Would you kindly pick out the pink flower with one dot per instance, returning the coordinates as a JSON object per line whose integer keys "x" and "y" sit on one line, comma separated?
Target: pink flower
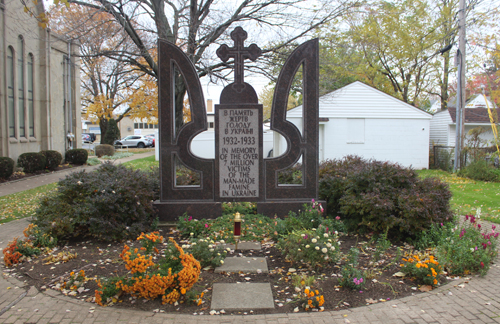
{"x": 466, "y": 217}
{"x": 206, "y": 225}
{"x": 493, "y": 227}
{"x": 482, "y": 264}
{"x": 442, "y": 224}
{"x": 312, "y": 201}
{"x": 190, "y": 218}
{"x": 337, "y": 218}
{"x": 479, "y": 226}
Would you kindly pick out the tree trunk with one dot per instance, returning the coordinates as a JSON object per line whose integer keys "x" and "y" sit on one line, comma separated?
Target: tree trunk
{"x": 103, "y": 124}
{"x": 444, "y": 84}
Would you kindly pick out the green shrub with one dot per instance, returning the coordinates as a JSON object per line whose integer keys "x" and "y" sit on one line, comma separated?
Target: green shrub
{"x": 206, "y": 251}
{"x": 76, "y": 156}
{"x": 382, "y": 197}
{"x": 352, "y": 277}
{"x": 424, "y": 269}
{"x": 31, "y": 162}
{"x": 53, "y": 159}
{"x": 467, "y": 249}
{"x": 112, "y": 203}
{"x": 480, "y": 170}
{"x": 112, "y": 133}
{"x": 190, "y": 227}
{"x": 6, "y": 167}
{"x": 310, "y": 248}
{"x": 93, "y": 161}
{"x": 104, "y": 149}
{"x": 291, "y": 175}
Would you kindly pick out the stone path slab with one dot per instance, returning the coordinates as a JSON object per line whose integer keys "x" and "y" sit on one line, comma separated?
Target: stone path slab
{"x": 245, "y": 296}
{"x": 244, "y": 264}
{"x": 245, "y": 246}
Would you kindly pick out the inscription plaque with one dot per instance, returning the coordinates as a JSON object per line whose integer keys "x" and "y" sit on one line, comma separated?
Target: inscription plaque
{"x": 239, "y": 152}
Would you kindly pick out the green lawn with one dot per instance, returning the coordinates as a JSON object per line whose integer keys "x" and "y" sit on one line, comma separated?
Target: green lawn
{"x": 22, "y": 204}
{"x": 470, "y": 195}
{"x": 143, "y": 164}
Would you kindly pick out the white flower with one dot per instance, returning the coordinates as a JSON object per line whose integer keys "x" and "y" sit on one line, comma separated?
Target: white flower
{"x": 472, "y": 249}
{"x": 113, "y": 191}
{"x": 317, "y": 247}
{"x": 210, "y": 246}
{"x": 194, "y": 243}
{"x": 325, "y": 235}
{"x": 324, "y": 250}
{"x": 211, "y": 250}
{"x": 329, "y": 245}
{"x": 222, "y": 241}
{"x": 332, "y": 248}
{"x": 307, "y": 246}
{"x": 191, "y": 234}
{"x": 336, "y": 233}
{"x": 314, "y": 240}
{"x": 329, "y": 240}
{"x": 138, "y": 203}
{"x": 299, "y": 250}
{"x": 303, "y": 235}
{"x": 221, "y": 261}
{"x": 79, "y": 182}
{"x": 103, "y": 191}
{"x": 228, "y": 249}
{"x": 314, "y": 229}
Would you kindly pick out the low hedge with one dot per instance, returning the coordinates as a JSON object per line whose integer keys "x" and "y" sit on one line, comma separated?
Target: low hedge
{"x": 6, "y": 167}
{"x": 76, "y": 156}
{"x": 53, "y": 159}
{"x": 31, "y": 162}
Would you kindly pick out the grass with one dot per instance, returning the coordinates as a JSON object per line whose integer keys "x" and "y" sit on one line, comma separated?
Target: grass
{"x": 469, "y": 195}
{"x": 143, "y": 164}
{"x": 22, "y": 204}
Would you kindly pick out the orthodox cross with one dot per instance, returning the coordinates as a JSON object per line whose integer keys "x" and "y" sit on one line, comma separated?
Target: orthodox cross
{"x": 240, "y": 53}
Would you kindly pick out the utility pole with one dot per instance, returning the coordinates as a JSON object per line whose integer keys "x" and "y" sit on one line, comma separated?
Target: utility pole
{"x": 460, "y": 60}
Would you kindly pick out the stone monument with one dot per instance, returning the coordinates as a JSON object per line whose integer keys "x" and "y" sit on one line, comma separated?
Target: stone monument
{"x": 239, "y": 171}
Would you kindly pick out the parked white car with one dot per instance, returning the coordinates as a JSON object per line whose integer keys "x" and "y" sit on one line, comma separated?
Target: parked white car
{"x": 139, "y": 141}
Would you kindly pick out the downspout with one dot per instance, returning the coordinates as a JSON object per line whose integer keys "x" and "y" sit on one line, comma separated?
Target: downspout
{"x": 69, "y": 95}
{"x": 49, "y": 93}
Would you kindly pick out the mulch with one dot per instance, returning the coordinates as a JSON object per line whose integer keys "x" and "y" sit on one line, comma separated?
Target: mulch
{"x": 99, "y": 260}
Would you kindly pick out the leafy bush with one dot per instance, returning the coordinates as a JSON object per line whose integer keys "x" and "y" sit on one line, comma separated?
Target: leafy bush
{"x": 467, "y": 249}
{"x": 104, "y": 149}
{"x": 53, "y": 159}
{"x": 291, "y": 175}
{"x": 480, "y": 170}
{"x": 6, "y": 167}
{"x": 310, "y": 248}
{"x": 207, "y": 252}
{"x": 31, "y": 162}
{"x": 373, "y": 196}
{"x": 186, "y": 176}
{"x": 190, "y": 227}
{"x": 111, "y": 203}
{"x": 426, "y": 271}
{"x": 76, "y": 156}
{"x": 308, "y": 218}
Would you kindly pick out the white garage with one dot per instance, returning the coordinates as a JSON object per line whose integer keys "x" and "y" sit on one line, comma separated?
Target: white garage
{"x": 360, "y": 120}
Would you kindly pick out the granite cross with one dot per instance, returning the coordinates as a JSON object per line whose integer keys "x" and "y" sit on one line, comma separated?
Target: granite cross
{"x": 240, "y": 53}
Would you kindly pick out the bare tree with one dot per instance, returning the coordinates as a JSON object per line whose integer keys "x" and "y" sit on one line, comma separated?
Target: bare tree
{"x": 197, "y": 25}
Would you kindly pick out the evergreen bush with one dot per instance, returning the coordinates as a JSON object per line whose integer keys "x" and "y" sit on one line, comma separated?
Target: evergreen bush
{"x": 76, "y": 156}
{"x": 31, "y": 162}
{"x": 104, "y": 149}
{"x": 53, "y": 159}
{"x": 6, "y": 167}
{"x": 112, "y": 133}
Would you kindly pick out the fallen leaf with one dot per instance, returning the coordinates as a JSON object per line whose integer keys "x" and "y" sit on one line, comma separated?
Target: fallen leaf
{"x": 425, "y": 288}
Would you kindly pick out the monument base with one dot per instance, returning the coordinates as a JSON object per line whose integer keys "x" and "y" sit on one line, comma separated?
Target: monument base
{"x": 281, "y": 208}
{"x": 170, "y": 211}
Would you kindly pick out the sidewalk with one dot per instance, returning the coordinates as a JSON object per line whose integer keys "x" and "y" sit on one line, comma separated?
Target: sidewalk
{"x": 8, "y": 188}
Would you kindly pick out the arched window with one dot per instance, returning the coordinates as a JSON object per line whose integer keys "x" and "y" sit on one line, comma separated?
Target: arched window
{"x": 31, "y": 119}
{"x": 20, "y": 83}
{"x": 11, "y": 112}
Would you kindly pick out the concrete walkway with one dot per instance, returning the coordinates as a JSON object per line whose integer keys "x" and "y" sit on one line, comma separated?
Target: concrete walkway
{"x": 8, "y": 188}
{"x": 477, "y": 302}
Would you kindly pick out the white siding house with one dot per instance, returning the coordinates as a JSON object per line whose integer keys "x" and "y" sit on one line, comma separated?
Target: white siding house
{"x": 361, "y": 120}
{"x": 443, "y": 125}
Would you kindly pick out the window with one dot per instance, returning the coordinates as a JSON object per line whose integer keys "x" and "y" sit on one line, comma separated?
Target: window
{"x": 150, "y": 126}
{"x": 20, "y": 84}
{"x": 156, "y": 125}
{"x": 355, "y": 131}
{"x": 211, "y": 125}
{"x": 136, "y": 125}
{"x": 10, "y": 92}
{"x": 31, "y": 119}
